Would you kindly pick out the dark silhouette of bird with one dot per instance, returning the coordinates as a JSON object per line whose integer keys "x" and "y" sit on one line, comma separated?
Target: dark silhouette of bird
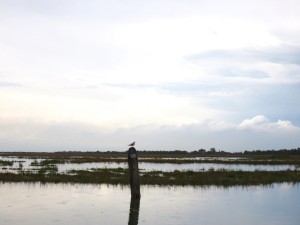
{"x": 132, "y": 144}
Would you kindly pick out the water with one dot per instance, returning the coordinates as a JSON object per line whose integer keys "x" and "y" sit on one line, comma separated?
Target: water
{"x": 23, "y": 203}
{"x": 209, "y": 166}
{"x": 145, "y": 166}
{"x": 24, "y": 162}
{"x": 167, "y": 167}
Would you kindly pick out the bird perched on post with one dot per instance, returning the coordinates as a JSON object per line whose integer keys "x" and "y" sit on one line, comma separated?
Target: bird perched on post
{"x": 132, "y": 144}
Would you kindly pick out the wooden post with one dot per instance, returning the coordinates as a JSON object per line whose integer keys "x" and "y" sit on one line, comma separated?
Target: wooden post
{"x": 134, "y": 212}
{"x": 134, "y": 173}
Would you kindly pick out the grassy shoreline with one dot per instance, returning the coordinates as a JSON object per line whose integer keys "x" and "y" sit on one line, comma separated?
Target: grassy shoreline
{"x": 121, "y": 176}
{"x": 164, "y": 157}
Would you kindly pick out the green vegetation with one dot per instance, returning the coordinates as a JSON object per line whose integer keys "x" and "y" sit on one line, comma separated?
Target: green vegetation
{"x": 47, "y": 162}
{"x": 6, "y": 163}
{"x": 281, "y": 157}
{"x": 48, "y": 169}
{"x": 121, "y": 176}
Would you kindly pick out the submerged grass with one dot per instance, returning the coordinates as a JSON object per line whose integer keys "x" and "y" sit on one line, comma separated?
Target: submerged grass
{"x": 156, "y": 157}
{"x": 121, "y": 176}
{"x": 6, "y": 163}
{"x": 47, "y": 162}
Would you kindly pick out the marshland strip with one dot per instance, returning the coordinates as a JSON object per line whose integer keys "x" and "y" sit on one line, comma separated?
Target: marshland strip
{"x": 44, "y": 167}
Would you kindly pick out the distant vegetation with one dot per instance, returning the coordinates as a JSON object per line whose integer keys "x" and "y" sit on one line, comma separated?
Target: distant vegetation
{"x": 213, "y": 151}
{"x": 200, "y": 152}
{"x": 274, "y": 152}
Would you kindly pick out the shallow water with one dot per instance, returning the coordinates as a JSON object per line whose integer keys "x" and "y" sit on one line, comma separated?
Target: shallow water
{"x": 23, "y": 162}
{"x": 23, "y": 203}
{"x": 165, "y": 167}
{"x": 211, "y": 166}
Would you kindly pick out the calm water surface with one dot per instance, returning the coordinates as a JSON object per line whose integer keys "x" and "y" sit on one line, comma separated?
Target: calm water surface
{"x": 23, "y": 203}
{"x": 165, "y": 167}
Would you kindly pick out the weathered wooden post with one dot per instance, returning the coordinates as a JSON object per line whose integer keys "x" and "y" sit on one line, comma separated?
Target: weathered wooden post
{"x": 134, "y": 211}
{"x": 134, "y": 173}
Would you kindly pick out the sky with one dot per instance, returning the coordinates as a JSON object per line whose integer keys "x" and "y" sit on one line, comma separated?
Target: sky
{"x": 96, "y": 75}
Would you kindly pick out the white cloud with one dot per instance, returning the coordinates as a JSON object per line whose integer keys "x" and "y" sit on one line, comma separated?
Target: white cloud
{"x": 261, "y": 123}
{"x": 285, "y": 124}
{"x": 257, "y": 121}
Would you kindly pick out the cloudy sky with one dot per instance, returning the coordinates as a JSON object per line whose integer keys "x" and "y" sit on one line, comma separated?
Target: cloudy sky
{"x": 168, "y": 74}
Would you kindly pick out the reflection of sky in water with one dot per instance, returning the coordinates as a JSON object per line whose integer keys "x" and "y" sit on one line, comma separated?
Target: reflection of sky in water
{"x": 202, "y": 158}
{"x": 17, "y": 161}
{"x": 171, "y": 167}
{"x": 106, "y": 204}
{"x": 207, "y": 166}
{"x": 144, "y": 166}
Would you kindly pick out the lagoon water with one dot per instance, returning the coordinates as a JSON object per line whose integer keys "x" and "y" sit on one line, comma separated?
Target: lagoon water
{"x": 167, "y": 167}
{"x": 146, "y": 166}
{"x": 35, "y": 203}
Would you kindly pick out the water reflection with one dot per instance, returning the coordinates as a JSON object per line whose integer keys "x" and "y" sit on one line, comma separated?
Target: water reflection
{"x": 79, "y": 204}
{"x": 144, "y": 166}
{"x": 134, "y": 212}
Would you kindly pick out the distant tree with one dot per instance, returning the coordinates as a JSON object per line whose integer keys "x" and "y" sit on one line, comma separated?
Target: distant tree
{"x": 202, "y": 150}
{"x": 212, "y": 150}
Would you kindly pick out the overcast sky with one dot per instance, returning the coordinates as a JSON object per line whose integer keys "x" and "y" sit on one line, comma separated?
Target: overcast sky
{"x": 168, "y": 74}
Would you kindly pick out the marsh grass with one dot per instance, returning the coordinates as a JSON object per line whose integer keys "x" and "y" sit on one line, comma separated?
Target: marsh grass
{"x": 175, "y": 157}
{"x": 47, "y": 162}
{"x": 6, "y": 163}
{"x": 121, "y": 176}
{"x": 48, "y": 169}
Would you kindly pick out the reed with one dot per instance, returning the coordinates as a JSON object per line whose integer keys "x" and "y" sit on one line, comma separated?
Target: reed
{"x": 6, "y": 163}
{"x": 175, "y": 157}
{"x": 121, "y": 176}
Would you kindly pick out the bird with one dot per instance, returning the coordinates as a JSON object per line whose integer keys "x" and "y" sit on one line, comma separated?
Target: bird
{"x": 132, "y": 144}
